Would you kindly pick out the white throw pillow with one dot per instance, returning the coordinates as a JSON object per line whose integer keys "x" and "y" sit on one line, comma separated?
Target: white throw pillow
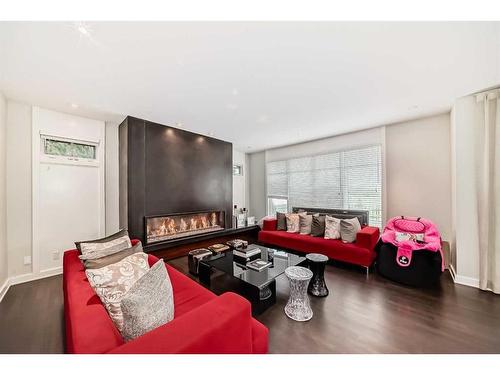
{"x": 112, "y": 282}
{"x": 332, "y": 228}
{"x": 292, "y": 223}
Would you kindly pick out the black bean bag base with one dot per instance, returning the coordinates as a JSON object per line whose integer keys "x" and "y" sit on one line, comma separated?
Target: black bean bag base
{"x": 423, "y": 271}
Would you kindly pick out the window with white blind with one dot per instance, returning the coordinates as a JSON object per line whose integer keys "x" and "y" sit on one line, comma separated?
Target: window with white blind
{"x": 349, "y": 179}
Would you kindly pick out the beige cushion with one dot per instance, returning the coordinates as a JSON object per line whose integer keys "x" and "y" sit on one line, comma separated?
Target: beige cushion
{"x": 305, "y": 222}
{"x": 332, "y": 227}
{"x": 148, "y": 304}
{"x": 106, "y": 260}
{"x": 112, "y": 282}
{"x": 292, "y": 223}
{"x": 94, "y": 249}
{"x": 349, "y": 228}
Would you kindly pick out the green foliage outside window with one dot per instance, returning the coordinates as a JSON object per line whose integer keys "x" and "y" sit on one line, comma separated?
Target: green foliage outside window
{"x": 70, "y": 149}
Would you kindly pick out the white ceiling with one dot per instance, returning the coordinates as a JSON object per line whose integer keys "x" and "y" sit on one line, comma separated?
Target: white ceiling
{"x": 258, "y": 85}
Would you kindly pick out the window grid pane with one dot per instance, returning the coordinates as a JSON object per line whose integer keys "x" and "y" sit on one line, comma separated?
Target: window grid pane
{"x": 69, "y": 149}
{"x": 350, "y": 179}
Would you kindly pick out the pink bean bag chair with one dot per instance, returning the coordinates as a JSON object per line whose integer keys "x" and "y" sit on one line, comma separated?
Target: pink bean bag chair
{"x": 410, "y": 252}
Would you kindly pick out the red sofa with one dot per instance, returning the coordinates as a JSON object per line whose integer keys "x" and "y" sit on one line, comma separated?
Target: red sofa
{"x": 361, "y": 252}
{"x": 203, "y": 322}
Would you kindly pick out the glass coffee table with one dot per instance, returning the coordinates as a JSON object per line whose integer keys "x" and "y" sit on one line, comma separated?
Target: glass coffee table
{"x": 259, "y": 287}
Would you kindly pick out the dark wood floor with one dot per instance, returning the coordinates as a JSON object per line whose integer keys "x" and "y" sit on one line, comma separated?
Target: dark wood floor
{"x": 32, "y": 317}
{"x": 361, "y": 315}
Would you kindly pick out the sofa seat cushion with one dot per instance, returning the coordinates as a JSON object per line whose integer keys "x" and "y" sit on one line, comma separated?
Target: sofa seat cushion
{"x": 187, "y": 293}
{"x": 333, "y": 249}
{"x": 89, "y": 329}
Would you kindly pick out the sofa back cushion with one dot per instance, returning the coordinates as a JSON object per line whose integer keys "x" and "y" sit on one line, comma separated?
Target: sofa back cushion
{"x": 305, "y": 223}
{"x": 112, "y": 282}
{"x": 318, "y": 225}
{"x": 349, "y": 228}
{"x": 281, "y": 221}
{"x": 93, "y": 262}
{"x": 148, "y": 304}
{"x": 105, "y": 246}
{"x": 332, "y": 227}
{"x": 292, "y": 223}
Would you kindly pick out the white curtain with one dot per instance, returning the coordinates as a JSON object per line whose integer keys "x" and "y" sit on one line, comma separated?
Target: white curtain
{"x": 488, "y": 190}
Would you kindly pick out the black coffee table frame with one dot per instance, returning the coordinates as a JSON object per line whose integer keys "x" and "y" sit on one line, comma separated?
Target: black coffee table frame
{"x": 258, "y": 287}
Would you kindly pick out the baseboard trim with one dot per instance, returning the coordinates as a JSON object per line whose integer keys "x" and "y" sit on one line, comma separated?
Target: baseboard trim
{"x": 468, "y": 281}
{"x": 4, "y": 289}
{"x": 31, "y": 276}
{"x": 452, "y": 272}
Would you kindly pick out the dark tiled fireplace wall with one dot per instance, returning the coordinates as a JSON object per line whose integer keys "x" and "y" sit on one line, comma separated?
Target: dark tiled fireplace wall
{"x": 165, "y": 170}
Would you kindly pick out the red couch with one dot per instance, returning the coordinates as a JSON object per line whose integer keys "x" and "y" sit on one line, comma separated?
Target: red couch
{"x": 203, "y": 322}
{"x": 361, "y": 252}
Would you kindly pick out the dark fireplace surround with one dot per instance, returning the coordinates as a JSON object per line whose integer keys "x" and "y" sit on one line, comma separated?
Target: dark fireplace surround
{"x": 172, "y": 183}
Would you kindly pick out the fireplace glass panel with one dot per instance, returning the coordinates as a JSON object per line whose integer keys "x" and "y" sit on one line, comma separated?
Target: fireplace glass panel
{"x": 168, "y": 227}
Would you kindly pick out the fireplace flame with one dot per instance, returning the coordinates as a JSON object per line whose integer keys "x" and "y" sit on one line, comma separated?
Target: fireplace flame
{"x": 163, "y": 228}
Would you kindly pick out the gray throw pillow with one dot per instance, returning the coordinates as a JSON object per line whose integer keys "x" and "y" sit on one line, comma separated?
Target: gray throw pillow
{"x": 112, "y": 258}
{"x": 148, "y": 304}
{"x": 117, "y": 240}
{"x": 305, "y": 222}
{"x": 349, "y": 228}
{"x": 318, "y": 226}
{"x": 281, "y": 218}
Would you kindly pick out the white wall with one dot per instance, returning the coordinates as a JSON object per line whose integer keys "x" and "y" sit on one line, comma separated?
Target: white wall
{"x": 240, "y": 182}
{"x": 257, "y": 184}
{"x": 325, "y": 145}
{"x": 464, "y": 203}
{"x": 112, "y": 179}
{"x": 418, "y": 170}
{"x": 18, "y": 187}
{"x": 3, "y": 204}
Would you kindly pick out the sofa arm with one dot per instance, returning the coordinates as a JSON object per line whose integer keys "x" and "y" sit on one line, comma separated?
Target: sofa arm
{"x": 221, "y": 326}
{"x": 270, "y": 224}
{"x": 367, "y": 237}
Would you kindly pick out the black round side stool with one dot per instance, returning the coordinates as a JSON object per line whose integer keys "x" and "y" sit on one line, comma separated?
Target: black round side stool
{"x": 317, "y": 286}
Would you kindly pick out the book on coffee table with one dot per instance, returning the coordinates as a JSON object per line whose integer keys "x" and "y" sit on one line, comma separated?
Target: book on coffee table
{"x": 237, "y": 243}
{"x": 258, "y": 264}
{"x": 218, "y": 247}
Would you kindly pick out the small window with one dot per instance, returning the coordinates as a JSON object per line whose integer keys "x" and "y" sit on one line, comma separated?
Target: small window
{"x": 277, "y": 205}
{"x": 237, "y": 170}
{"x": 56, "y": 147}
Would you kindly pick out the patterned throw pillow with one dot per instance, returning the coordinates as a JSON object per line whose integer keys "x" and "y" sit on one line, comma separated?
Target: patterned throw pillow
{"x": 332, "y": 227}
{"x": 305, "y": 222}
{"x": 349, "y": 228}
{"x": 94, "y": 249}
{"x": 292, "y": 223}
{"x": 148, "y": 304}
{"x": 112, "y": 282}
{"x": 105, "y": 260}
{"x": 281, "y": 221}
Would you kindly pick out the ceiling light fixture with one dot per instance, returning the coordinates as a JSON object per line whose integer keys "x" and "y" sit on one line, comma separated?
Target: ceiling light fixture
{"x": 83, "y": 29}
{"x": 73, "y": 105}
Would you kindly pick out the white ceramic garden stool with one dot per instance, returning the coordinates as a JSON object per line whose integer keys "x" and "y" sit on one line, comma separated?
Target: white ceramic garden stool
{"x": 298, "y": 307}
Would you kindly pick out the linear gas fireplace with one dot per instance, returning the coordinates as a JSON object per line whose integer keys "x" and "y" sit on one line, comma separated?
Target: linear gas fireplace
{"x": 174, "y": 226}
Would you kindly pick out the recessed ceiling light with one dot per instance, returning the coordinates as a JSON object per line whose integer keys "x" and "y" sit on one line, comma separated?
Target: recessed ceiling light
{"x": 178, "y": 124}
{"x": 210, "y": 133}
{"x": 83, "y": 29}
{"x": 73, "y": 105}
